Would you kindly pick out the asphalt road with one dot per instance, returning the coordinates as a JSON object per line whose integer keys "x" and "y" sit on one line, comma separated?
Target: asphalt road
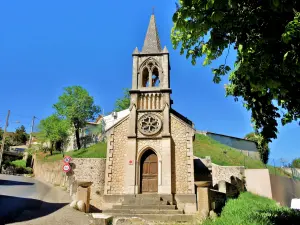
{"x": 29, "y": 201}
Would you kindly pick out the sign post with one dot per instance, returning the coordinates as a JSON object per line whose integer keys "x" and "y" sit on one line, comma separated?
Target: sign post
{"x": 67, "y": 166}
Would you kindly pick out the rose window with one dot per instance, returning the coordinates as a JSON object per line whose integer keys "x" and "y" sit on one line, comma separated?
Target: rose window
{"x": 149, "y": 124}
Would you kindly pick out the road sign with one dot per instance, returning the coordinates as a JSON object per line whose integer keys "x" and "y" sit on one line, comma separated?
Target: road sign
{"x": 66, "y": 168}
{"x": 67, "y": 159}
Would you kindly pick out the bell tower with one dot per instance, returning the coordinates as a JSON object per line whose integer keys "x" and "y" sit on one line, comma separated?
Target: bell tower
{"x": 149, "y": 119}
{"x": 151, "y": 79}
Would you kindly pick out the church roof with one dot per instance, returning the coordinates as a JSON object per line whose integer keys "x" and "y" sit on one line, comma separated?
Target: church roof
{"x": 152, "y": 42}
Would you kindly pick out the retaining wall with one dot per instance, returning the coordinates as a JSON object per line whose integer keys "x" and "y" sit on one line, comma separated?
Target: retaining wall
{"x": 84, "y": 169}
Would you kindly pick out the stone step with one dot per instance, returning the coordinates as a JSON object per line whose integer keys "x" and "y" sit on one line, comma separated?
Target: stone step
{"x": 142, "y": 211}
{"x": 158, "y": 217}
{"x": 159, "y": 206}
{"x": 142, "y": 201}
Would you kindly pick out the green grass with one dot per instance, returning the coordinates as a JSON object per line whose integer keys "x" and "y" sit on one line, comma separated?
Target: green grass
{"x": 19, "y": 163}
{"x": 96, "y": 151}
{"x": 250, "y": 209}
{"x": 206, "y": 146}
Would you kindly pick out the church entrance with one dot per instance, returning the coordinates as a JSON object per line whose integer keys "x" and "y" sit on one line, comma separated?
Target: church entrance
{"x": 149, "y": 172}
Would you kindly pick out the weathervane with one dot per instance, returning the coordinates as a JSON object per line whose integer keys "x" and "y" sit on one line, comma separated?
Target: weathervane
{"x": 152, "y": 10}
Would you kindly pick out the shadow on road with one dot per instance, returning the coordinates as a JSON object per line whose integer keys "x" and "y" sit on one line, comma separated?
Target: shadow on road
{"x": 12, "y": 207}
{"x": 11, "y": 182}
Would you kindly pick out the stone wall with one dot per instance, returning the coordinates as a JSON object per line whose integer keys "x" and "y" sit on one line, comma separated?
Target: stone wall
{"x": 284, "y": 189}
{"x": 85, "y": 169}
{"x": 258, "y": 182}
{"x": 116, "y": 150}
{"x": 182, "y": 157}
{"x": 224, "y": 173}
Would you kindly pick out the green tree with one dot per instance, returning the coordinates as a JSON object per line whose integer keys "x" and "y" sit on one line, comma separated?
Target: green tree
{"x": 53, "y": 129}
{"x": 262, "y": 145}
{"x": 296, "y": 163}
{"x": 124, "y": 102}
{"x": 266, "y": 36}
{"x": 77, "y": 106}
{"x": 20, "y": 136}
{"x": 1, "y": 133}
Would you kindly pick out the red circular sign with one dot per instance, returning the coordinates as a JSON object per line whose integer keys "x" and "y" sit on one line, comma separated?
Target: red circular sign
{"x": 67, "y": 159}
{"x": 66, "y": 167}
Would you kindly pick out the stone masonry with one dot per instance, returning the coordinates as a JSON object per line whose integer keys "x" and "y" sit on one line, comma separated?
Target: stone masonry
{"x": 86, "y": 169}
{"x": 115, "y": 160}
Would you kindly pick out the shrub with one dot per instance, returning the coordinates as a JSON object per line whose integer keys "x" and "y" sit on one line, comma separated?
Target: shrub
{"x": 251, "y": 209}
{"x": 296, "y": 163}
{"x": 19, "y": 163}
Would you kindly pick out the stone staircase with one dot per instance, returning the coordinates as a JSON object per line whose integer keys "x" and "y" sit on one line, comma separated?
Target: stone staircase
{"x": 151, "y": 207}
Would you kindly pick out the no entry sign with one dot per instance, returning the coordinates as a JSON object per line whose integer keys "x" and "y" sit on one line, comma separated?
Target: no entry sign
{"x": 67, "y": 159}
{"x": 66, "y": 168}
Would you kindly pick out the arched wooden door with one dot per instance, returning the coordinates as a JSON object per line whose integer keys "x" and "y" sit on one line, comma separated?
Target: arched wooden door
{"x": 148, "y": 173}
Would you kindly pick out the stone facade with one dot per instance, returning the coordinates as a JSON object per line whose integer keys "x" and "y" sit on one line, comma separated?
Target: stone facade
{"x": 182, "y": 149}
{"x": 85, "y": 169}
{"x": 153, "y": 129}
{"x": 225, "y": 173}
{"x": 116, "y": 150}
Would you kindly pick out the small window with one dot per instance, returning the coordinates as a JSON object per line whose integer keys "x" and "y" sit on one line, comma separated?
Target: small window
{"x": 155, "y": 78}
{"x": 145, "y": 79}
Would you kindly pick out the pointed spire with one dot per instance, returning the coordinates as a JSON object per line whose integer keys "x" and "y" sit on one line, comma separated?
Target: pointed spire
{"x": 136, "y": 51}
{"x": 152, "y": 42}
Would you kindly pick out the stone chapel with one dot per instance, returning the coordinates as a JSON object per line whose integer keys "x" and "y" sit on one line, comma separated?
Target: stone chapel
{"x": 150, "y": 151}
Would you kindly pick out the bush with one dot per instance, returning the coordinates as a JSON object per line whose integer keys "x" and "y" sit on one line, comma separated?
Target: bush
{"x": 296, "y": 163}
{"x": 19, "y": 163}
{"x": 251, "y": 209}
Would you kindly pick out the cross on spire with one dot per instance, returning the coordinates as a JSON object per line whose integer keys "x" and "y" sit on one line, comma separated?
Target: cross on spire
{"x": 152, "y": 10}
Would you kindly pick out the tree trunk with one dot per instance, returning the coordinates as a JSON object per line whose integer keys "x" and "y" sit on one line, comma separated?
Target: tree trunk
{"x": 77, "y": 138}
{"x": 51, "y": 149}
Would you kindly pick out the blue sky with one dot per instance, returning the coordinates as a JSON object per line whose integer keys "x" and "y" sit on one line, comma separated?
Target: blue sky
{"x": 48, "y": 45}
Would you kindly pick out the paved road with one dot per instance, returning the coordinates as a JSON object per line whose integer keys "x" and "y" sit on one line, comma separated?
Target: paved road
{"x": 29, "y": 201}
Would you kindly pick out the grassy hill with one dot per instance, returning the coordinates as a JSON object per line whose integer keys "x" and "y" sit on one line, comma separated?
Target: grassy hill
{"x": 203, "y": 146}
{"x": 96, "y": 151}
{"x": 206, "y": 146}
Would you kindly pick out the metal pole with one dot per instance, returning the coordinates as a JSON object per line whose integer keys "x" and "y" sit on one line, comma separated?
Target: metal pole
{"x": 3, "y": 138}
{"x": 30, "y": 138}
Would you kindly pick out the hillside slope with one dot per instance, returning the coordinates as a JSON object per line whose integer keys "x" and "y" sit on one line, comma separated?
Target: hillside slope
{"x": 224, "y": 155}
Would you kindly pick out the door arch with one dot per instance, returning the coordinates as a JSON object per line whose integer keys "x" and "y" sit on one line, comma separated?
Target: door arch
{"x": 149, "y": 172}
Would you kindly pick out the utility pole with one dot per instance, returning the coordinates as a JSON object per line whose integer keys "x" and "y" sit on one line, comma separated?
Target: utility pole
{"x": 3, "y": 137}
{"x": 32, "y": 126}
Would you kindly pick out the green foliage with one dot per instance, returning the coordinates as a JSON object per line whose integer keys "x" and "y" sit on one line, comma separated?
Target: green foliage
{"x": 262, "y": 145}
{"x": 296, "y": 163}
{"x": 20, "y": 166}
{"x": 266, "y": 36}
{"x": 19, "y": 163}
{"x": 224, "y": 155}
{"x": 95, "y": 151}
{"x": 20, "y": 136}
{"x": 250, "y": 209}
{"x": 77, "y": 106}
{"x": 124, "y": 102}
{"x": 1, "y": 133}
{"x": 53, "y": 129}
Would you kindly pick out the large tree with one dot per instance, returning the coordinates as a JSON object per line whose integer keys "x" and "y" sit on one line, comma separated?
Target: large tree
{"x": 124, "y": 102}
{"x": 266, "y": 36}
{"x": 20, "y": 136}
{"x": 77, "y": 106}
{"x": 53, "y": 129}
{"x": 262, "y": 146}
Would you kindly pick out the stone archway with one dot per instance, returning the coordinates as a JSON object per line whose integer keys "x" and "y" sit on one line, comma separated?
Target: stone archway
{"x": 149, "y": 172}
